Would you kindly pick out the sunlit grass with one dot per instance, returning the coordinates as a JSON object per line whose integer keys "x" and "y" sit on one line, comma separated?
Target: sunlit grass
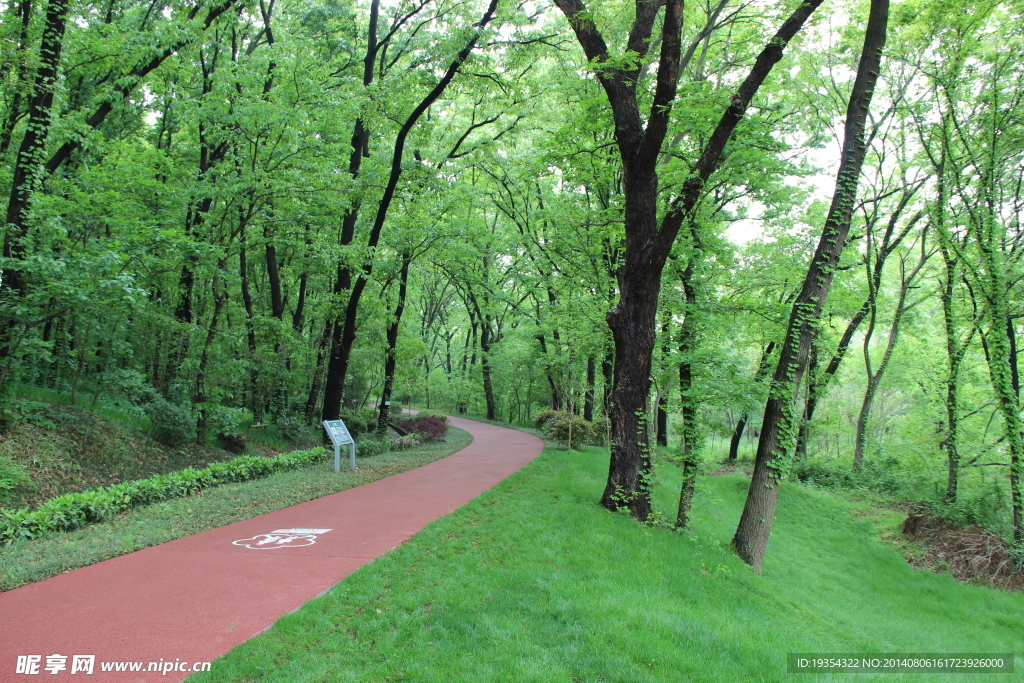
{"x": 532, "y": 581}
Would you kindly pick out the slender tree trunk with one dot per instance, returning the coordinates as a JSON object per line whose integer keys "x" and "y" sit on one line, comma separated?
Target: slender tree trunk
{"x": 692, "y": 444}
{"x": 340, "y": 354}
{"x": 955, "y": 355}
{"x": 777, "y": 431}
{"x": 19, "y": 66}
{"x": 588, "y": 395}
{"x": 737, "y": 435}
{"x": 201, "y": 397}
{"x": 875, "y": 378}
{"x": 608, "y": 373}
{"x": 384, "y": 408}
{"x": 485, "y": 368}
{"x": 255, "y": 404}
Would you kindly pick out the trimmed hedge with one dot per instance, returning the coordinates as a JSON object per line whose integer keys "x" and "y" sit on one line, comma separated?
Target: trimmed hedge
{"x": 75, "y": 510}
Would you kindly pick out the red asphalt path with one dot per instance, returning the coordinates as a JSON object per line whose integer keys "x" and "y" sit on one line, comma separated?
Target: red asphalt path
{"x": 193, "y": 599}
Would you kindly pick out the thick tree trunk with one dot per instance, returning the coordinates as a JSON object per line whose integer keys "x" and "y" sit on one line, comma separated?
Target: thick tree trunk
{"x": 646, "y": 244}
{"x": 33, "y": 145}
{"x": 777, "y": 431}
{"x": 274, "y": 279}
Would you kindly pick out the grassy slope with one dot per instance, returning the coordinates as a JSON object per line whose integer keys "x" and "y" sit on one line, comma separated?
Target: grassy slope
{"x": 534, "y": 582}
{"x": 40, "y": 558}
{"x": 84, "y": 449}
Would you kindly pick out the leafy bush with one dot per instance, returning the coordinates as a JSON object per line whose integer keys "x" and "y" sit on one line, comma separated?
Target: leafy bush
{"x": 293, "y": 431}
{"x": 74, "y": 510}
{"x": 12, "y": 476}
{"x": 429, "y": 427}
{"x": 881, "y": 475}
{"x": 369, "y": 447}
{"x": 173, "y": 424}
{"x": 544, "y": 417}
{"x": 439, "y": 416}
{"x": 557, "y": 423}
{"x": 404, "y": 444}
{"x": 984, "y": 507}
{"x": 363, "y": 421}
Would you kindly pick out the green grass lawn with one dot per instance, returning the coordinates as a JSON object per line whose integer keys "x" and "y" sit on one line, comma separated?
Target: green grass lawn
{"x": 33, "y": 560}
{"x": 532, "y": 581}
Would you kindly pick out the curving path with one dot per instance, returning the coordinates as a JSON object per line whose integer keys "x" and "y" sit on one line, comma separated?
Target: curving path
{"x": 193, "y": 599}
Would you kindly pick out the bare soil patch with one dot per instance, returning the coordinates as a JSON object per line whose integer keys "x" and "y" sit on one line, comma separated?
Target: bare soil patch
{"x": 971, "y": 554}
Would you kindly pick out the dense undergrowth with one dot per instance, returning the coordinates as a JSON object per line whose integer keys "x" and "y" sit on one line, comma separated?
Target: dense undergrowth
{"x": 532, "y": 581}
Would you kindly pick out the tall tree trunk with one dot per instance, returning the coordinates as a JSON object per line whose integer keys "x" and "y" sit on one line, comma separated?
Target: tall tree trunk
{"x": 27, "y": 167}
{"x": 1001, "y": 356}
{"x": 777, "y": 430}
{"x": 647, "y": 243}
{"x": 338, "y": 366}
{"x": 692, "y": 444}
{"x": 384, "y": 408}
{"x": 955, "y": 355}
{"x": 22, "y": 12}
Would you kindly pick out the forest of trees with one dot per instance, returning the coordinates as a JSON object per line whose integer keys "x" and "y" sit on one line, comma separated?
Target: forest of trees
{"x": 787, "y": 231}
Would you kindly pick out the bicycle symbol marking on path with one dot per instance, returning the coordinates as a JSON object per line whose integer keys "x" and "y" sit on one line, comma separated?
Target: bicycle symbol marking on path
{"x": 282, "y": 538}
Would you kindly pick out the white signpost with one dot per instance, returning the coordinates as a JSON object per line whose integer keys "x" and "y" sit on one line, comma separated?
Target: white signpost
{"x": 338, "y": 432}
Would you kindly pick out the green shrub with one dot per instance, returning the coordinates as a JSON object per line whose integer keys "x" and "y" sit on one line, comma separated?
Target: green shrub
{"x": 882, "y": 474}
{"x": 173, "y": 424}
{"x": 366, "y": 448}
{"x": 984, "y": 507}
{"x": 12, "y": 476}
{"x": 363, "y": 421}
{"x": 438, "y": 416}
{"x": 557, "y": 425}
{"x": 293, "y": 431}
{"x": 544, "y": 417}
{"x": 74, "y": 510}
{"x": 226, "y": 423}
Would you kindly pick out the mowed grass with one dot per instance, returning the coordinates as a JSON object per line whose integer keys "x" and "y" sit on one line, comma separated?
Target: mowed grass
{"x": 532, "y": 581}
{"x": 33, "y": 560}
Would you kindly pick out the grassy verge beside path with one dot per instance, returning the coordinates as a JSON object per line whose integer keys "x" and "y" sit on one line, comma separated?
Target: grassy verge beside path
{"x": 533, "y": 582}
{"x": 27, "y": 561}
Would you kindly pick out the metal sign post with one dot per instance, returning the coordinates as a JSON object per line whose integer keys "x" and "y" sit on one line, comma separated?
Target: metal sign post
{"x": 338, "y": 432}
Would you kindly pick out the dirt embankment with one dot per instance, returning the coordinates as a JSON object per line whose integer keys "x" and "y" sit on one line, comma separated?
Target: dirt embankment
{"x": 970, "y": 554}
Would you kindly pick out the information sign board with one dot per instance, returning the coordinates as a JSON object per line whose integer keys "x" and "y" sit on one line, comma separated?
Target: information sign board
{"x": 339, "y": 435}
